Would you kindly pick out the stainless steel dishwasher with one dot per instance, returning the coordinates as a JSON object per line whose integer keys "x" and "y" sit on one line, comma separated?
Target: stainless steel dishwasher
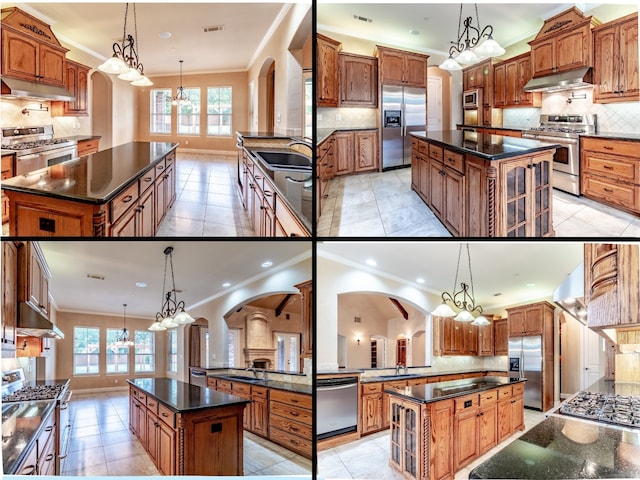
{"x": 198, "y": 377}
{"x": 337, "y": 406}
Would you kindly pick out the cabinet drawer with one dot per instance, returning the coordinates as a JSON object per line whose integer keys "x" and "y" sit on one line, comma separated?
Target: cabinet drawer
{"x": 423, "y": 147}
{"x": 611, "y": 166}
{"x": 613, "y": 147}
{"x": 435, "y": 152}
{"x": 269, "y": 194}
{"x": 152, "y": 404}
{"x": 621, "y": 194}
{"x": 292, "y": 442}
{"x": 223, "y": 385}
{"x": 371, "y": 388}
{"x": 169, "y": 159}
{"x": 415, "y": 143}
{"x": 146, "y": 180}
{"x": 466, "y": 402}
{"x": 87, "y": 147}
{"x": 166, "y": 415}
{"x": 260, "y": 392}
{"x": 290, "y": 426}
{"x": 142, "y": 397}
{"x": 298, "y": 414}
{"x": 397, "y": 384}
{"x": 160, "y": 168}
{"x": 297, "y": 399}
{"x": 211, "y": 382}
{"x": 122, "y": 202}
{"x": 518, "y": 389}
{"x": 46, "y": 456}
{"x": 48, "y": 432}
{"x": 488, "y": 397}
{"x": 241, "y": 389}
{"x": 416, "y": 381}
{"x": 454, "y": 160}
{"x": 504, "y": 392}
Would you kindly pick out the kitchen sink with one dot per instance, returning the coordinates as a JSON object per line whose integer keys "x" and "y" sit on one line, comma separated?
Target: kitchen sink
{"x": 284, "y": 159}
{"x": 244, "y": 379}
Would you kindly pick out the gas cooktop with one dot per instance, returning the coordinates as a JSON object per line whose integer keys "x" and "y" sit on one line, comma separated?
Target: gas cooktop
{"x": 614, "y": 409}
{"x": 38, "y": 392}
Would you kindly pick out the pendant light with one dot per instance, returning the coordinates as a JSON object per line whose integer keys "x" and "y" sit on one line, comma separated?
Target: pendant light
{"x": 172, "y": 312}
{"x": 463, "y": 299}
{"x": 125, "y": 61}
{"x": 180, "y": 97}
{"x": 124, "y": 339}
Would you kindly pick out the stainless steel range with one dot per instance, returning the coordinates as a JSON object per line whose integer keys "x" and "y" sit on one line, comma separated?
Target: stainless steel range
{"x": 564, "y": 130}
{"x": 602, "y": 407}
{"x": 15, "y": 389}
{"x": 36, "y": 148}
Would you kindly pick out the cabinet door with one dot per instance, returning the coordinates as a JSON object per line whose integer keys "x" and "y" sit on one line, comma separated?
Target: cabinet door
{"x": 541, "y": 197}
{"x": 523, "y": 77}
{"x": 151, "y": 425}
{"x": 423, "y": 186}
{"x": 391, "y": 65}
{"x": 628, "y": 65}
{"x": 485, "y": 340}
{"x": 499, "y": 85}
{"x": 371, "y": 412}
{"x": 442, "y": 438}
{"x": 501, "y": 337}
{"x": 416, "y": 71}
{"x": 454, "y": 194}
{"x": 126, "y": 225}
{"x": 19, "y": 56}
{"x": 51, "y": 66}
{"x": 436, "y": 187}
{"x": 488, "y": 428}
{"x": 516, "y": 198}
{"x": 146, "y": 215}
{"x": 512, "y": 82}
{"x": 533, "y": 320}
{"x": 166, "y": 449}
{"x": 516, "y": 412}
{"x": 366, "y": 151}
{"x": 161, "y": 200}
{"x": 327, "y": 76}
{"x": 516, "y": 323}
{"x": 9, "y": 295}
{"x": 543, "y": 58}
{"x": 260, "y": 417}
{"x": 606, "y": 63}
{"x": 38, "y": 283}
{"x": 396, "y": 453}
{"x": 504, "y": 419}
{"x": 358, "y": 80}
{"x": 469, "y": 338}
{"x": 343, "y": 148}
{"x": 465, "y": 437}
{"x": 412, "y": 441}
{"x": 573, "y": 49}
{"x": 82, "y": 88}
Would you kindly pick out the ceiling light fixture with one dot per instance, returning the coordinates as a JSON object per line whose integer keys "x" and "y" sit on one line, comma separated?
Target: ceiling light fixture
{"x": 124, "y": 339}
{"x": 469, "y": 48}
{"x": 172, "y": 311}
{"x": 266, "y": 264}
{"x": 181, "y": 97}
{"x": 125, "y": 61}
{"x": 463, "y": 299}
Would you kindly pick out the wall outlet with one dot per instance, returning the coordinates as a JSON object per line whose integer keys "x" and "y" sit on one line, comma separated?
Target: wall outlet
{"x": 115, "y": 380}
{"x": 278, "y": 118}
{"x": 186, "y": 142}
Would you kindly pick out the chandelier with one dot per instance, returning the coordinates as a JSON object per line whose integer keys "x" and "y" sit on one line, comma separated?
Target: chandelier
{"x": 125, "y": 61}
{"x": 463, "y": 299}
{"x": 124, "y": 339}
{"x": 180, "y": 97}
{"x": 469, "y": 48}
{"x": 172, "y": 311}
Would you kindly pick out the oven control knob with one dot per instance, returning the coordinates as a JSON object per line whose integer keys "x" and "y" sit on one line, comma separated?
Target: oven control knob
{"x": 16, "y": 132}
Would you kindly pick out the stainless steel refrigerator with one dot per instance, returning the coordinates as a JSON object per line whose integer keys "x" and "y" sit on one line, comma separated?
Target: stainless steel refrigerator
{"x": 525, "y": 360}
{"x": 404, "y": 110}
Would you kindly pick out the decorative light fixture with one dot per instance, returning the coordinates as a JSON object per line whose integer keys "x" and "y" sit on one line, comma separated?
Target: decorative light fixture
{"x": 181, "y": 97}
{"x": 125, "y": 61}
{"x": 462, "y": 299}
{"x": 124, "y": 339}
{"x": 469, "y": 47}
{"x": 172, "y": 311}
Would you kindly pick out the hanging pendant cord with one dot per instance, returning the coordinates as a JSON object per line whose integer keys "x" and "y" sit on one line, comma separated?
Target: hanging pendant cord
{"x": 124, "y": 30}
{"x": 459, "y": 23}
{"x": 477, "y": 17}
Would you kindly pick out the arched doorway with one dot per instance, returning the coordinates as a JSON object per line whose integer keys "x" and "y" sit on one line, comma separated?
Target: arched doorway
{"x": 102, "y": 108}
{"x": 266, "y": 96}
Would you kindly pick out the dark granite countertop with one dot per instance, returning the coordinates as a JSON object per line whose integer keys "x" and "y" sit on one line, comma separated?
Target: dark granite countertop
{"x": 95, "y": 178}
{"x": 433, "y": 392}
{"x": 563, "y": 447}
{"x": 22, "y": 423}
{"x": 614, "y": 136}
{"x": 323, "y": 133}
{"x": 183, "y": 397}
{"x": 511, "y": 129}
{"x": 81, "y": 138}
{"x": 277, "y": 384}
{"x": 486, "y": 146}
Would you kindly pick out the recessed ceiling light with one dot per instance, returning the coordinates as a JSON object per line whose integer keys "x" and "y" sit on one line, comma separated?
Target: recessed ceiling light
{"x": 420, "y": 280}
{"x": 164, "y": 34}
{"x": 497, "y": 294}
{"x": 266, "y": 264}
{"x": 226, "y": 284}
{"x": 414, "y": 32}
{"x": 141, "y": 285}
{"x": 371, "y": 262}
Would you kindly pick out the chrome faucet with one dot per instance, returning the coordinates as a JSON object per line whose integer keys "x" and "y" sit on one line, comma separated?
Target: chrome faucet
{"x": 398, "y": 366}
{"x": 301, "y": 142}
{"x": 254, "y": 370}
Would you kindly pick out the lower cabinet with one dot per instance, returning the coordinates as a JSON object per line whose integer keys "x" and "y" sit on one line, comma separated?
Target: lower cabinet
{"x": 41, "y": 458}
{"x": 355, "y": 151}
{"x": 510, "y": 410}
{"x": 372, "y": 408}
{"x": 161, "y": 443}
{"x": 410, "y": 433}
{"x": 291, "y": 420}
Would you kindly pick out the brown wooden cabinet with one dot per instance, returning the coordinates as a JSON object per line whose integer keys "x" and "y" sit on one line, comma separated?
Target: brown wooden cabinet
{"x": 372, "y": 408}
{"x": 77, "y": 82}
{"x": 452, "y": 337}
{"x": 9, "y": 296}
{"x": 510, "y": 410}
{"x": 530, "y": 319}
{"x": 510, "y": 77}
{"x": 343, "y": 148}
{"x": 327, "y": 66}
{"x": 563, "y": 43}
{"x": 355, "y": 151}
{"x": 8, "y": 161}
{"x": 615, "y": 70}
{"x": 485, "y": 340}
{"x": 138, "y": 221}
{"x": 611, "y": 275}
{"x": 358, "y": 80}
{"x": 290, "y": 420}
{"x": 399, "y": 67}
{"x": 409, "y": 434}
{"x": 325, "y": 171}
{"x": 306, "y": 290}
{"x": 465, "y": 430}
{"x": 33, "y": 277}
{"x": 88, "y": 147}
{"x": 611, "y": 172}
{"x": 259, "y": 409}
{"x": 501, "y": 337}
{"x": 481, "y": 76}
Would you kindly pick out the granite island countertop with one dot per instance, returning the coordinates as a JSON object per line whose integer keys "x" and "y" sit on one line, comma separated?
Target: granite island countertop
{"x": 485, "y": 146}
{"x": 183, "y": 397}
{"x": 304, "y": 388}
{"x": 95, "y": 178}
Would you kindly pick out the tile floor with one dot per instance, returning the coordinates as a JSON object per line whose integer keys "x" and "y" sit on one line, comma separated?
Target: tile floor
{"x": 383, "y": 205}
{"x": 102, "y": 445}
{"x": 368, "y": 458}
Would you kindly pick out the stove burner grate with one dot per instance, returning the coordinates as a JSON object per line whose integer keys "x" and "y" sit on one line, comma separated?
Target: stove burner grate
{"x": 614, "y": 409}
{"x": 39, "y": 392}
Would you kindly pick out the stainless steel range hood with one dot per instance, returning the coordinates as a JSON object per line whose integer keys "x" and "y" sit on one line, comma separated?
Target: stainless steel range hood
{"x": 573, "y": 79}
{"x": 33, "y": 324}
{"x": 14, "y": 88}
{"x": 570, "y": 294}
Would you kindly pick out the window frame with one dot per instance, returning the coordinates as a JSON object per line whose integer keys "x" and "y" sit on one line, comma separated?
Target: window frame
{"x": 172, "y": 356}
{"x": 140, "y": 344}
{"x": 153, "y": 114}
{"x": 97, "y": 354}
{"x": 220, "y": 115}
{"x": 196, "y": 116}
{"x": 121, "y": 349}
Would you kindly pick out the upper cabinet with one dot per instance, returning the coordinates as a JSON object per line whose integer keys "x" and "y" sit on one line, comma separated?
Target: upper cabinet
{"x": 564, "y": 43}
{"x": 509, "y": 80}
{"x": 9, "y": 296}
{"x": 358, "y": 80}
{"x": 327, "y": 67}
{"x": 532, "y": 319}
{"x": 30, "y": 50}
{"x": 34, "y": 275}
{"x": 612, "y": 283}
{"x": 398, "y": 67}
{"x": 76, "y": 81}
{"x": 616, "y": 75}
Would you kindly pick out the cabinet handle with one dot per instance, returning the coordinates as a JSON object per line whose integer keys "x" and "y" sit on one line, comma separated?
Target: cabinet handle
{"x": 608, "y": 190}
{"x": 607, "y": 147}
{"x": 607, "y": 167}
{"x": 258, "y": 177}
{"x": 127, "y": 199}
{"x": 49, "y": 428}
{"x": 268, "y": 193}
{"x": 164, "y": 415}
{"x": 49, "y": 457}
{"x": 160, "y": 167}
{"x": 31, "y": 469}
{"x": 294, "y": 414}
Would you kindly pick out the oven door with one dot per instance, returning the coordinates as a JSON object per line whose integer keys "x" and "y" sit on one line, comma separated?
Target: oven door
{"x": 567, "y": 157}
{"x": 28, "y": 163}
{"x": 59, "y": 155}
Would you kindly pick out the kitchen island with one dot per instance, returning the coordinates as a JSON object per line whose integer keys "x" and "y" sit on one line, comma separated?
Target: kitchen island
{"x": 122, "y": 191}
{"x": 483, "y": 185}
{"x": 186, "y": 429}
{"x": 438, "y": 428}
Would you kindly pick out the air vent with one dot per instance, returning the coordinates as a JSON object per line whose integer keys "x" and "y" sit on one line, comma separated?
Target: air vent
{"x": 95, "y": 276}
{"x": 363, "y": 19}
{"x": 357, "y": 320}
{"x": 214, "y": 28}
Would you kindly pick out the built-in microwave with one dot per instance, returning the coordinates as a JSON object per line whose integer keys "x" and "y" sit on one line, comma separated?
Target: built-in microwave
{"x": 472, "y": 99}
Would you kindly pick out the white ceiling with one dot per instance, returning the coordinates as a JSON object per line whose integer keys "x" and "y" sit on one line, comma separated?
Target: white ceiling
{"x": 94, "y": 27}
{"x": 436, "y": 24}
{"x": 200, "y": 269}
{"x": 519, "y": 272}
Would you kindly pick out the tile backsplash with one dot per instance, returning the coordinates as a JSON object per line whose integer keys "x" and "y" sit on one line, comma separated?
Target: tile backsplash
{"x": 347, "y": 117}
{"x": 12, "y": 116}
{"x": 612, "y": 117}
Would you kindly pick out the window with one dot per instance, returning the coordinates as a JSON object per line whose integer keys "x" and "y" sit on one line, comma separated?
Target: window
{"x": 287, "y": 351}
{"x": 145, "y": 351}
{"x": 86, "y": 350}
{"x": 117, "y": 355}
{"x": 189, "y": 113}
{"x": 233, "y": 345}
{"x": 172, "y": 361}
{"x": 219, "y": 111}
{"x": 160, "y": 108}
